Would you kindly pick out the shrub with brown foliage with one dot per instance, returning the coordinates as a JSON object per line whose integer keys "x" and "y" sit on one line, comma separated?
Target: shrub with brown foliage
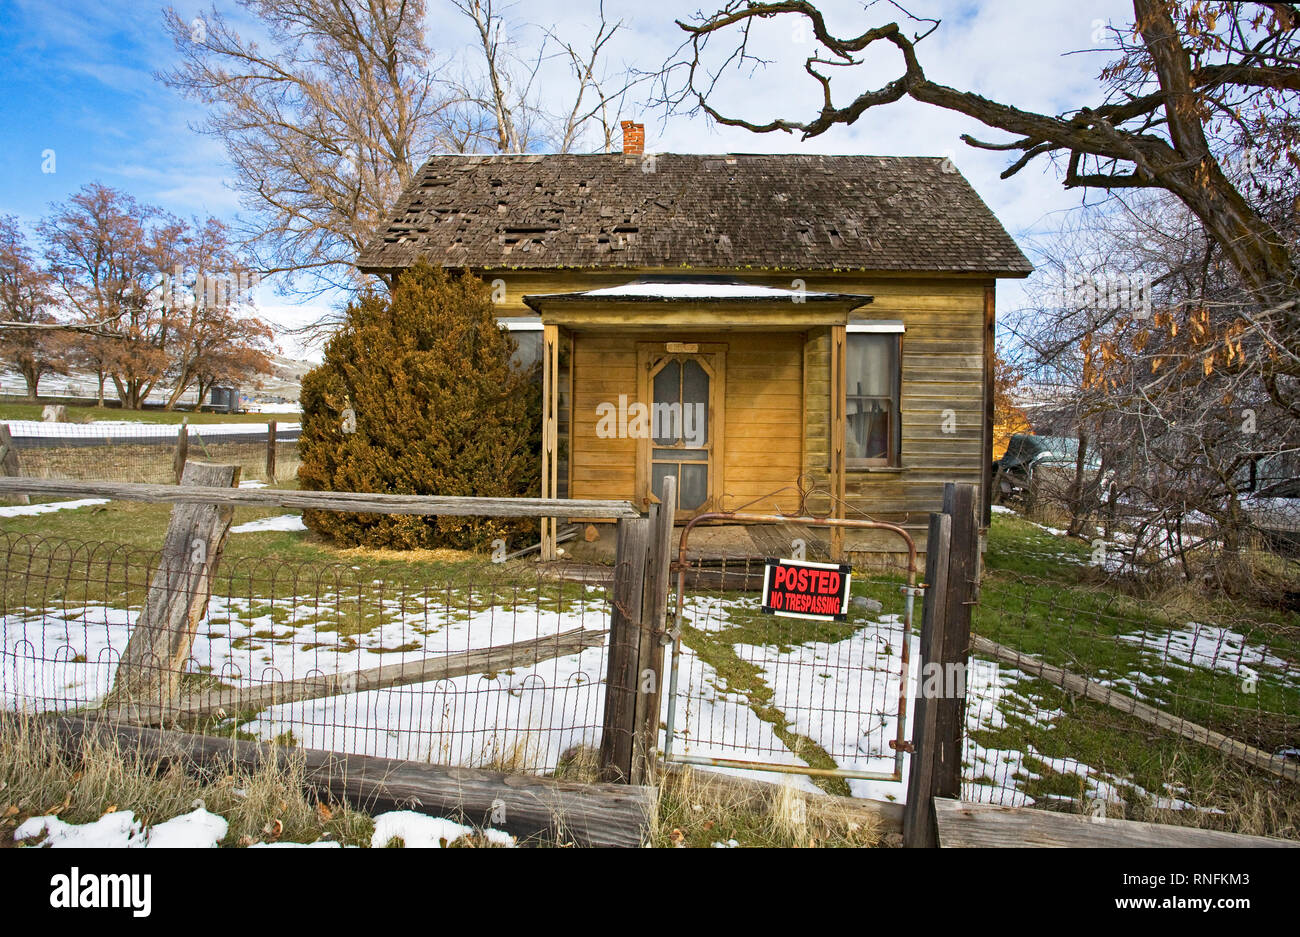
{"x": 438, "y": 408}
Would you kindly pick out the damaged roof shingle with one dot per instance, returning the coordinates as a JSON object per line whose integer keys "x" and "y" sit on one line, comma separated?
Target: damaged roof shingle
{"x": 780, "y": 212}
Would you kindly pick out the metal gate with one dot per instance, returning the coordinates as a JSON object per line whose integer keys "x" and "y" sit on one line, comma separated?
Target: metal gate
{"x": 754, "y": 691}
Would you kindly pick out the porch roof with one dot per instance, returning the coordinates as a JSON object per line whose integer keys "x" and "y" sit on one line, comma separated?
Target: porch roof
{"x": 724, "y": 301}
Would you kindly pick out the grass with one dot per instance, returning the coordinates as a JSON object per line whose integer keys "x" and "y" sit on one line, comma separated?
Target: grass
{"x": 38, "y": 777}
{"x": 89, "y": 413}
{"x": 698, "y": 810}
{"x": 1039, "y": 596}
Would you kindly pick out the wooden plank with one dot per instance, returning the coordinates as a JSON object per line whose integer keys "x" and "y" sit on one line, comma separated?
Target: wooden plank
{"x": 182, "y": 453}
{"x": 918, "y": 819}
{"x": 990, "y": 350}
{"x": 406, "y": 673}
{"x": 525, "y": 805}
{"x": 619, "y": 728}
{"x": 959, "y": 503}
{"x": 550, "y": 432}
{"x": 270, "y": 452}
{"x": 839, "y": 434}
{"x": 965, "y": 825}
{"x": 163, "y": 632}
{"x": 9, "y": 465}
{"x": 358, "y": 502}
{"x": 1099, "y": 693}
{"x": 651, "y": 652}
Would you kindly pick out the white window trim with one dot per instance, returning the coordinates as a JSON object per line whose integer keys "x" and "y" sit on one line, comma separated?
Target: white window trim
{"x": 878, "y": 327}
{"x": 520, "y": 325}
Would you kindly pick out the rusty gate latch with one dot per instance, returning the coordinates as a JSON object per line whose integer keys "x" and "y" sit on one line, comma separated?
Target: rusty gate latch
{"x": 902, "y": 746}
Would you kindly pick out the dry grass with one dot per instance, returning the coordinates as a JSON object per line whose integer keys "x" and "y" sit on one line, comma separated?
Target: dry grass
{"x": 700, "y": 809}
{"x": 38, "y": 777}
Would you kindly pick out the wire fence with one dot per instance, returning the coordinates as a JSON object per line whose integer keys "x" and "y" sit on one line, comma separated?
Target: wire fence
{"x": 1035, "y": 739}
{"x": 1252, "y": 537}
{"x": 105, "y": 450}
{"x": 487, "y": 666}
{"x": 811, "y": 696}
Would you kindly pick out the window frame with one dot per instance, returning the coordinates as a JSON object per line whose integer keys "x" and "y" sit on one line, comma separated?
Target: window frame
{"x": 897, "y": 330}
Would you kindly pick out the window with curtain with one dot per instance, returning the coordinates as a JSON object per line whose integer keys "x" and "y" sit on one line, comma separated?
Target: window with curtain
{"x": 873, "y": 435}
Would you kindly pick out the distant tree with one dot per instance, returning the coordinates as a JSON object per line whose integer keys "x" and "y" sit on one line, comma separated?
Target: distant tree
{"x": 106, "y": 252}
{"x": 215, "y": 337}
{"x": 417, "y": 395}
{"x": 1009, "y": 417}
{"x": 26, "y": 297}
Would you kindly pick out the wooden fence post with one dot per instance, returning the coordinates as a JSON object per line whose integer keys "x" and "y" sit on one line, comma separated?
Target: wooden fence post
{"x": 270, "y": 453}
{"x": 182, "y": 450}
{"x": 627, "y": 596}
{"x": 918, "y": 814}
{"x": 151, "y": 665}
{"x": 960, "y": 502}
{"x": 9, "y": 461}
{"x": 654, "y": 615}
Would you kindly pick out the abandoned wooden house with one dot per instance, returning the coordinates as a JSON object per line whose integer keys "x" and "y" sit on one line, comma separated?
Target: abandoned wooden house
{"x": 743, "y": 323}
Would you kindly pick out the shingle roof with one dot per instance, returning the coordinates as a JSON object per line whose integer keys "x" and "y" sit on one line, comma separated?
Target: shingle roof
{"x": 783, "y": 212}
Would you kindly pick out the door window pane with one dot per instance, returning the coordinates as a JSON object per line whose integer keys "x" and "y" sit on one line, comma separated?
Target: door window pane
{"x": 666, "y": 410}
{"x": 695, "y": 403}
{"x": 693, "y": 485}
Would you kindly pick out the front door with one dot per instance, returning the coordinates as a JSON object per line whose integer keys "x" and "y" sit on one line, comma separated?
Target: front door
{"x": 683, "y": 395}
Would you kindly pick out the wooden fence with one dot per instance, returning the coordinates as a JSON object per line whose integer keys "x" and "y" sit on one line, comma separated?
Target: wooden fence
{"x": 147, "y": 690}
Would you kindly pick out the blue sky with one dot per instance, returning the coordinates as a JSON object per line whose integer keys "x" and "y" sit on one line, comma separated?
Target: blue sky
{"x": 77, "y": 79}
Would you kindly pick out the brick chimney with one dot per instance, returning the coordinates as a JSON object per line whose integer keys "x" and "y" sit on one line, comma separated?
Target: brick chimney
{"x": 633, "y": 137}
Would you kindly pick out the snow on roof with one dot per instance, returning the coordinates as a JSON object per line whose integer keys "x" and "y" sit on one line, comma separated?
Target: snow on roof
{"x": 655, "y": 290}
{"x": 699, "y": 290}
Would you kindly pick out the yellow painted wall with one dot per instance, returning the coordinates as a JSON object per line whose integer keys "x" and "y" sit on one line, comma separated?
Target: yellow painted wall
{"x": 772, "y": 377}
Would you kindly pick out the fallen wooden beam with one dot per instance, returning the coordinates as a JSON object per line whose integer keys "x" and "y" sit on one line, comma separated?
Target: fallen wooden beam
{"x": 524, "y": 805}
{"x": 277, "y": 693}
{"x": 965, "y": 825}
{"x": 1099, "y": 693}
{"x": 353, "y": 501}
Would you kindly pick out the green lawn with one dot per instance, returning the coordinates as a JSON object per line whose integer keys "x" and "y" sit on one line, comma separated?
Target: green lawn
{"x": 78, "y": 413}
{"x": 1039, "y": 596}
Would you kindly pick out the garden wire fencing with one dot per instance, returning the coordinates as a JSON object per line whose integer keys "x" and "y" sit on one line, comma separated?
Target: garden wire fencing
{"x": 107, "y": 450}
{"x": 1083, "y": 700}
{"x": 470, "y": 663}
{"x": 822, "y": 699}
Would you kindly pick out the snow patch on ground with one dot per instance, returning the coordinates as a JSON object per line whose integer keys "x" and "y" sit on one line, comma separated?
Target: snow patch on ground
{"x": 418, "y": 831}
{"x": 121, "y": 830}
{"x": 200, "y": 829}
{"x": 128, "y": 429}
{"x": 290, "y": 522}
{"x": 32, "y": 510}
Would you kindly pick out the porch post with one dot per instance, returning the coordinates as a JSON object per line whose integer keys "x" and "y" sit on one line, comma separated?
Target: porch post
{"x": 839, "y": 401}
{"x": 550, "y": 430}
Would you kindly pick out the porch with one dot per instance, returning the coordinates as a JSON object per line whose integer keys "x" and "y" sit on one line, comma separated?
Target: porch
{"x": 706, "y": 382}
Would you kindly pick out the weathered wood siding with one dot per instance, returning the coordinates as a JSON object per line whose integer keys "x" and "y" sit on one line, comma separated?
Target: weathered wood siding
{"x": 771, "y": 377}
{"x": 943, "y": 369}
{"x": 763, "y": 409}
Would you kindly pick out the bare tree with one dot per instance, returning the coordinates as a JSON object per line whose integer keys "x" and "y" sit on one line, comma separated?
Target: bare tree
{"x": 330, "y": 119}
{"x": 102, "y": 253}
{"x": 324, "y": 126}
{"x": 216, "y": 337}
{"x": 30, "y": 340}
{"x": 1146, "y": 354}
{"x": 1190, "y": 80}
